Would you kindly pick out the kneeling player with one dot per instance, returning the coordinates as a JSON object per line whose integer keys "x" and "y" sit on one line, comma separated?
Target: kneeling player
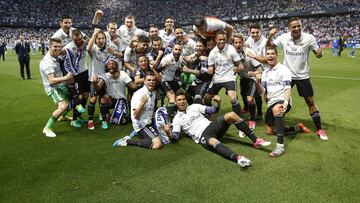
{"x": 276, "y": 83}
{"x": 114, "y": 81}
{"x": 191, "y": 119}
{"x": 142, "y": 113}
{"x": 198, "y": 63}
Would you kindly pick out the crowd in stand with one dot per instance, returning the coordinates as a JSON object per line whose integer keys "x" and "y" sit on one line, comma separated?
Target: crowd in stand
{"x": 41, "y": 13}
{"x": 325, "y": 29}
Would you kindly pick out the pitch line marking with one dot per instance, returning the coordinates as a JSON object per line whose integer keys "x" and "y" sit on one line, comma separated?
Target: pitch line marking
{"x": 333, "y": 77}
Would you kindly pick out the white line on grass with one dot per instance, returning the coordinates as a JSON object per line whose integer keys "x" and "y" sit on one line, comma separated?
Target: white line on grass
{"x": 332, "y": 77}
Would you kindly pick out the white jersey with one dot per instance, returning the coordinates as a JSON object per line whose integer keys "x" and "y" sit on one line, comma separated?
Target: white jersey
{"x": 74, "y": 49}
{"x": 50, "y": 65}
{"x": 98, "y": 58}
{"x": 192, "y": 121}
{"x": 127, "y": 35}
{"x": 296, "y": 53}
{"x": 223, "y": 62}
{"x": 111, "y": 44}
{"x": 250, "y": 64}
{"x": 258, "y": 47}
{"x": 275, "y": 81}
{"x": 189, "y": 47}
{"x": 169, "y": 71}
{"x": 130, "y": 56}
{"x": 165, "y": 37}
{"x": 147, "y": 111}
{"x": 65, "y": 38}
{"x": 115, "y": 45}
{"x": 212, "y": 24}
{"x": 115, "y": 88}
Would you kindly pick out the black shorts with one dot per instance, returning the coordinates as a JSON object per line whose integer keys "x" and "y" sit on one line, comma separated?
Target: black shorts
{"x": 248, "y": 87}
{"x": 269, "y": 116}
{"x": 170, "y": 85}
{"x": 216, "y": 129}
{"x": 215, "y": 88}
{"x": 148, "y": 132}
{"x": 303, "y": 87}
{"x": 198, "y": 89}
{"x": 94, "y": 93}
{"x": 113, "y": 102}
{"x": 82, "y": 82}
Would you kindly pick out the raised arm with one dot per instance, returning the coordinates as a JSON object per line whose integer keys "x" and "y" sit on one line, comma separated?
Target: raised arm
{"x": 139, "y": 109}
{"x": 92, "y": 40}
{"x": 97, "y": 17}
{"x": 229, "y": 31}
{"x": 272, "y": 33}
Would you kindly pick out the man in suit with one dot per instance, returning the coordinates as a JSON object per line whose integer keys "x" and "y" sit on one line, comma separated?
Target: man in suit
{"x": 22, "y": 49}
{"x": 2, "y": 50}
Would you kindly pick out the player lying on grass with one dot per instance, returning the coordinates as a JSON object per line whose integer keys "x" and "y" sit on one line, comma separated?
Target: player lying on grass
{"x": 276, "y": 85}
{"x": 54, "y": 83}
{"x": 192, "y": 121}
{"x": 114, "y": 81}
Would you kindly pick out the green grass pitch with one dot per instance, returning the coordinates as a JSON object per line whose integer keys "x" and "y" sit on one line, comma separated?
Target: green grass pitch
{"x": 81, "y": 166}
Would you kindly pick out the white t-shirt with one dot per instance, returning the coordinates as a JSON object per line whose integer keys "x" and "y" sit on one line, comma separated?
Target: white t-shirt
{"x": 223, "y": 61}
{"x": 276, "y": 80}
{"x": 49, "y": 65}
{"x": 65, "y": 38}
{"x": 148, "y": 109}
{"x": 296, "y": 53}
{"x": 212, "y": 24}
{"x": 74, "y": 49}
{"x": 126, "y": 35}
{"x": 258, "y": 47}
{"x": 192, "y": 121}
{"x": 189, "y": 47}
{"x": 165, "y": 37}
{"x": 98, "y": 60}
{"x": 130, "y": 56}
{"x": 115, "y": 45}
{"x": 169, "y": 71}
{"x": 115, "y": 88}
{"x": 111, "y": 44}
